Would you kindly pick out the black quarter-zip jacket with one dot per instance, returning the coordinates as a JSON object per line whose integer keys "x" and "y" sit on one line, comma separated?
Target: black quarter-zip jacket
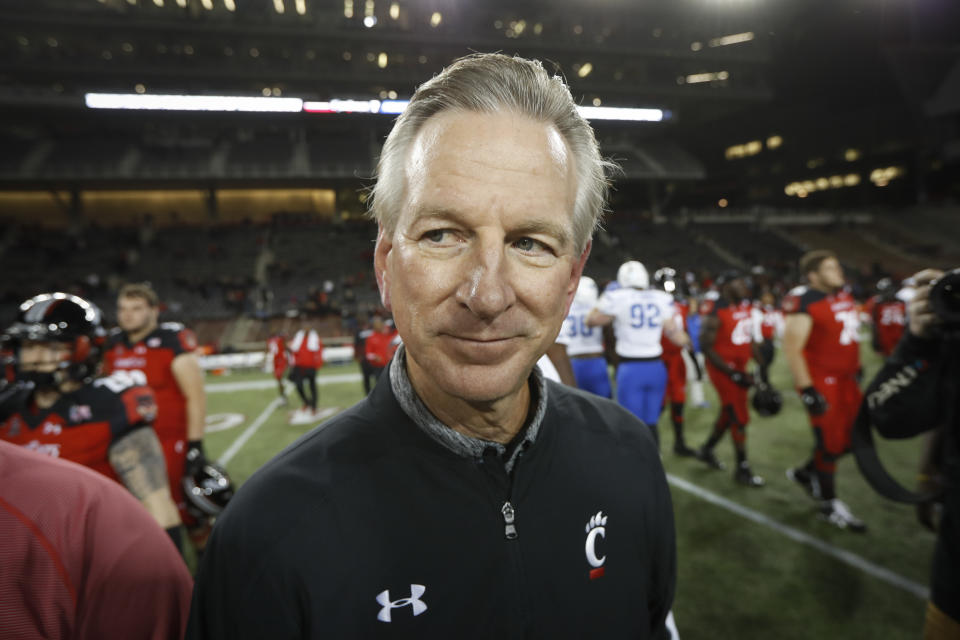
{"x": 369, "y": 528}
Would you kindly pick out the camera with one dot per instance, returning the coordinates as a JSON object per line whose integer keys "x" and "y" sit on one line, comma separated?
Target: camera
{"x": 945, "y": 298}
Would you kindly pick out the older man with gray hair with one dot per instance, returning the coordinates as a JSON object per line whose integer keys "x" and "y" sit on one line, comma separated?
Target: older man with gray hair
{"x": 466, "y": 496}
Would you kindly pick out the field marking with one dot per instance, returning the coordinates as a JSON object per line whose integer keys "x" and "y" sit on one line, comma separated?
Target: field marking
{"x": 249, "y": 431}
{"x": 847, "y": 557}
{"x": 249, "y": 385}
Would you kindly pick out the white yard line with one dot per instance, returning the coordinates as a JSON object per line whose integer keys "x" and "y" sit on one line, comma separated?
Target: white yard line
{"x": 248, "y": 432}
{"x": 249, "y": 385}
{"x": 796, "y": 535}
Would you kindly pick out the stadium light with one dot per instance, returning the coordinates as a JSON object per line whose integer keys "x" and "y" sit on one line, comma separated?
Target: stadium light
{"x": 735, "y": 38}
{"x": 191, "y": 103}
{"x": 343, "y": 106}
{"x": 621, "y": 113}
{"x": 696, "y": 78}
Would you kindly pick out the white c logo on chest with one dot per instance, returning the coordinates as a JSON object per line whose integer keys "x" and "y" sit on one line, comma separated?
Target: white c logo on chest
{"x": 595, "y": 527}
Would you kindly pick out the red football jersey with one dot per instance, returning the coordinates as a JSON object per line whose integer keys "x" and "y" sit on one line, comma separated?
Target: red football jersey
{"x": 278, "y": 351}
{"x": 889, "y": 321}
{"x": 735, "y": 329}
{"x": 154, "y": 356}
{"x": 833, "y": 344}
{"x": 671, "y": 349}
{"x": 81, "y": 425}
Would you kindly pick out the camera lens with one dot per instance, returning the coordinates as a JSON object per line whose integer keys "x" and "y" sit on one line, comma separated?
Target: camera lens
{"x": 945, "y": 297}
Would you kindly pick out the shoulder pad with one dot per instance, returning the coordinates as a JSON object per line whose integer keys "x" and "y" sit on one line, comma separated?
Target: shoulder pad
{"x": 115, "y": 336}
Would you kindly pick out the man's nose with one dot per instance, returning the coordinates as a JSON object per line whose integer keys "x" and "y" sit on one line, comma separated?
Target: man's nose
{"x": 486, "y": 288}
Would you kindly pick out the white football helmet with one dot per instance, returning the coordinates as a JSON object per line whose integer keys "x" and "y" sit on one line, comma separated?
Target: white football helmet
{"x": 587, "y": 292}
{"x": 633, "y": 274}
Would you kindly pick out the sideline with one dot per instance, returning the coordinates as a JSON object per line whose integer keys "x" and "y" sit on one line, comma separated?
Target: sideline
{"x": 249, "y": 385}
{"x": 248, "y": 432}
{"x": 844, "y": 556}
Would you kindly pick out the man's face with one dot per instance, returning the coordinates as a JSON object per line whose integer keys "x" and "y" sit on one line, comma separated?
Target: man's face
{"x": 481, "y": 268}
{"x": 829, "y": 275}
{"x": 135, "y": 314}
{"x": 43, "y": 357}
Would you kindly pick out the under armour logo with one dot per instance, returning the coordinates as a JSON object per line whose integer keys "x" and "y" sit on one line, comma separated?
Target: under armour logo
{"x": 597, "y": 526}
{"x": 419, "y": 606}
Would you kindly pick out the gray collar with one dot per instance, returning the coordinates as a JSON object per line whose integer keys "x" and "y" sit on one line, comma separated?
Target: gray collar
{"x": 457, "y": 442}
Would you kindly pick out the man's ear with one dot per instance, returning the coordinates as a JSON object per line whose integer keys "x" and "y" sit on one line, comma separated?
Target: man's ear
{"x": 380, "y": 254}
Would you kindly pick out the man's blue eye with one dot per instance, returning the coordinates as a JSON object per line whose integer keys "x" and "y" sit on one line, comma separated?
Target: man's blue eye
{"x": 435, "y": 235}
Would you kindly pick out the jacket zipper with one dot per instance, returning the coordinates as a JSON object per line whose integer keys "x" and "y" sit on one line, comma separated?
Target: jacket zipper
{"x": 509, "y": 515}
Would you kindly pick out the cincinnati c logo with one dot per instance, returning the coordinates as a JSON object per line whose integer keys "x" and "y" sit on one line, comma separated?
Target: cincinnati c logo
{"x": 597, "y": 526}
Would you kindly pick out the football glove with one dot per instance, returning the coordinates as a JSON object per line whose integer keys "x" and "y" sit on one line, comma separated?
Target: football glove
{"x": 741, "y": 378}
{"x": 813, "y": 401}
{"x": 196, "y": 459}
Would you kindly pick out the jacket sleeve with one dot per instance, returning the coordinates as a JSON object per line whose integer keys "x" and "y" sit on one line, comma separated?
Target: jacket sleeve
{"x": 242, "y": 590}
{"x": 904, "y": 397}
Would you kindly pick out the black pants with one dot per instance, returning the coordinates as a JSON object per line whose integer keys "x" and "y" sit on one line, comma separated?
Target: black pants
{"x": 305, "y": 379}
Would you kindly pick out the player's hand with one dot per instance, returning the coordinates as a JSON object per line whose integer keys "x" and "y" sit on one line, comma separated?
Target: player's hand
{"x": 929, "y": 511}
{"x": 741, "y": 378}
{"x": 923, "y": 319}
{"x": 813, "y": 401}
{"x": 195, "y": 458}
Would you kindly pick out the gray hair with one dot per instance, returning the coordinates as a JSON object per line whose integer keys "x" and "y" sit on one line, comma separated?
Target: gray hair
{"x": 490, "y": 83}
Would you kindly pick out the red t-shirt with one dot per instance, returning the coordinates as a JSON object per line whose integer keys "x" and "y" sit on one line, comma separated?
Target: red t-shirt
{"x": 82, "y": 425}
{"x": 734, "y": 329}
{"x": 889, "y": 321}
{"x": 833, "y": 344}
{"x": 307, "y": 349}
{"x": 82, "y": 558}
{"x": 154, "y": 356}
{"x": 378, "y": 348}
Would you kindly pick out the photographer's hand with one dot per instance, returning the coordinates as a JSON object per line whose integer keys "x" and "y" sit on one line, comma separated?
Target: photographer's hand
{"x": 923, "y": 319}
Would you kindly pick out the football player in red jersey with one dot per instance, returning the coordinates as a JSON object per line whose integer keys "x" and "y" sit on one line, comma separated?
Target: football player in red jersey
{"x": 165, "y": 354}
{"x": 821, "y": 344}
{"x": 672, "y": 357}
{"x": 280, "y": 355}
{"x": 728, "y": 342}
{"x": 51, "y": 402}
{"x": 888, "y": 317}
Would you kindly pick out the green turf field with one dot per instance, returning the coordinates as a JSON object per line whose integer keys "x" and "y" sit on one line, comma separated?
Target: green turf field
{"x": 740, "y": 575}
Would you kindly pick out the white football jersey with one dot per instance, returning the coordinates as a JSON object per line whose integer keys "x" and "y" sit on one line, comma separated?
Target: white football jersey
{"x": 639, "y": 317}
{"x": 578, "y": 337}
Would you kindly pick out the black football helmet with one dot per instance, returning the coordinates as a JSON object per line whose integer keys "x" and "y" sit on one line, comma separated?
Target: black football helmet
{"x": 56, "y": 317}
{"x": 767, "y": 401}
{"x": 207, "y": 491}
{"x": 666, "y": 279}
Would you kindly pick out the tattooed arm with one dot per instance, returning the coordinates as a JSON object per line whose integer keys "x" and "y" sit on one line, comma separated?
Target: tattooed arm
{"x": 138, "y": 460}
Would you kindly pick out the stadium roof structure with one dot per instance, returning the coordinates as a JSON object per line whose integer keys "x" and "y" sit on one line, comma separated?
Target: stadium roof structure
{"x": 822, "y": 77}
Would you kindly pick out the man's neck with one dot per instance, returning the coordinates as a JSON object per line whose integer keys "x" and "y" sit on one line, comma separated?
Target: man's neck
{"x": 497, "y": 421}
{"x": 140, "y": 334}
